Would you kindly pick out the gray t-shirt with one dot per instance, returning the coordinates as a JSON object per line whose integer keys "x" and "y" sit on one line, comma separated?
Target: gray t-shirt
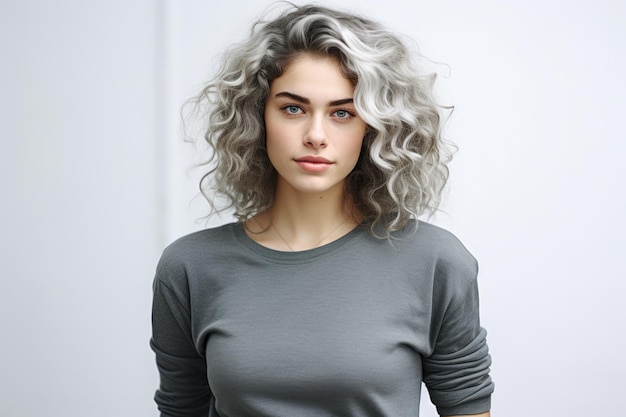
{"x": 351, "y": 328}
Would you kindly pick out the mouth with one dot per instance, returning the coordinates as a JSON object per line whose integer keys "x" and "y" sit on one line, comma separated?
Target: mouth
{"x": 313, "y": 163}
{"x": 313, "y": 160}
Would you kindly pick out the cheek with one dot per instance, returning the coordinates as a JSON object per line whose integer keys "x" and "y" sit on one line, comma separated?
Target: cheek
{"x": 270, "y": 138}
{"x": 356, "y": 144}
{"x": 356, "y": 152}
{"x": 275, "y": 133}
{"x": 276, "y": 142}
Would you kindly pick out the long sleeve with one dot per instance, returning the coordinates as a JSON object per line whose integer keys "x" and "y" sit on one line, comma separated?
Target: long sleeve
{"x": 184, "y": 390}
{"x": 348, "y": 329}
{"x": 457, "y": 372}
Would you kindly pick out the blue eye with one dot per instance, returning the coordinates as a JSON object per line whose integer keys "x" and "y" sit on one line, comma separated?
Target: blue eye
{"x": 292, "y": 109}
{"x": 343, "y": 114}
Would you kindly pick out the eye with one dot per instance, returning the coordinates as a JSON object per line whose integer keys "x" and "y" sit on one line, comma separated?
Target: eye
{"x": 290, "y": 109}
{"x": 343, "y": 114}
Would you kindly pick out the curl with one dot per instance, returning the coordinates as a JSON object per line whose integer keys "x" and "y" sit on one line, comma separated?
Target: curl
{"x": 402, "y": 168}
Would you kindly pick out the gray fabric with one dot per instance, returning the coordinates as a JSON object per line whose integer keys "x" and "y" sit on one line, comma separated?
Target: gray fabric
{"x": 351, "y": 328}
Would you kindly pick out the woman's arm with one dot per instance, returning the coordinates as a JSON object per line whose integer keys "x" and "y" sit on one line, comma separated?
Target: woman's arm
{"x": 456, "y": 373}
{"x": 183, "y": 390}
{"x": 487, "y": 414}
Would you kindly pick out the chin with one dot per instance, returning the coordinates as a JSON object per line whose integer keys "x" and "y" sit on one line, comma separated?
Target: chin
{"x": 314, "y": 187}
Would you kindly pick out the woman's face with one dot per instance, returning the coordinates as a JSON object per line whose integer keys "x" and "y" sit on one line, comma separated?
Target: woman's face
{"x": 314, "y": 134}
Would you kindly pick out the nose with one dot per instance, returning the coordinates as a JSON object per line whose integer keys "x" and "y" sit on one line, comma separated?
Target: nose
{"x": 315, "y": 137}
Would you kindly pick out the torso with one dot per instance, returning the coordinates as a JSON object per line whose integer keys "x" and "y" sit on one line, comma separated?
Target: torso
{"x": 340, "y": 328}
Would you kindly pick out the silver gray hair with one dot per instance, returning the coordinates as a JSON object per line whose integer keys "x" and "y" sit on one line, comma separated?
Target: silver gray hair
{"x": 402, "y": 168}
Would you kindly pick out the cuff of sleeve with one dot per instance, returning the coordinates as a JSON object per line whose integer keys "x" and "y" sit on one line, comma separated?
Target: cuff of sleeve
{"x": 477, "y": 406}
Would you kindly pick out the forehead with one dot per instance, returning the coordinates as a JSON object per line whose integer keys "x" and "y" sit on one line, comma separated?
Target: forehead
{"x": 314, "y": 76}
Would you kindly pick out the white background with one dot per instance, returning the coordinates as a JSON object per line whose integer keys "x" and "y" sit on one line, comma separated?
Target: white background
{"x": 94, "y": 182}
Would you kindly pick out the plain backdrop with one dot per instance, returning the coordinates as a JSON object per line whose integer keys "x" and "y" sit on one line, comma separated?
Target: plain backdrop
{"x": 95, "y": 181}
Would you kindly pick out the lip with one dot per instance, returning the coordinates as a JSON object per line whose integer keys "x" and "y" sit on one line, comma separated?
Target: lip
{"x": 313, "y": 163}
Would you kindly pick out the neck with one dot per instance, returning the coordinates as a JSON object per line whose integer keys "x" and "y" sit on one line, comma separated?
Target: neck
{"x": 300, "y": 221}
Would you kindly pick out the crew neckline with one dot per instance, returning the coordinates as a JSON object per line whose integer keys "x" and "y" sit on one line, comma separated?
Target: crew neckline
{"x": 302, "y": 256}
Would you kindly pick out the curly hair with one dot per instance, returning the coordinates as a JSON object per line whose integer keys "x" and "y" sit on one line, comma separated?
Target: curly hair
{"x": 402, "y": 168}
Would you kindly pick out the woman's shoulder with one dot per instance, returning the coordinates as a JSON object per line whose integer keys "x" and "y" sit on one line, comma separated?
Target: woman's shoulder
{"x": 202, "y": 237}
{"x": 439, "y": 238}
{"x": 440, "y": 246}
{"x": 420, "y": 232}
{"x": 199, "y": 246}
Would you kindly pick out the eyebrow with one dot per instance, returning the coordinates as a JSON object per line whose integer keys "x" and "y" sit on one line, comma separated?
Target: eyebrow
{"x": 307, "y": 101}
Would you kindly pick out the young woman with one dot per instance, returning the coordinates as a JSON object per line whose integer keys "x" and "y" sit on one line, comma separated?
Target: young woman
{"x": 327, "y": 297}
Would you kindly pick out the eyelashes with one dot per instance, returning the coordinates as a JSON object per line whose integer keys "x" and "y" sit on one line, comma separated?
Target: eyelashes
{"x": 340, "y": 114}
{"x": 290, "y": 109}
{"x": 345, "y": 114}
